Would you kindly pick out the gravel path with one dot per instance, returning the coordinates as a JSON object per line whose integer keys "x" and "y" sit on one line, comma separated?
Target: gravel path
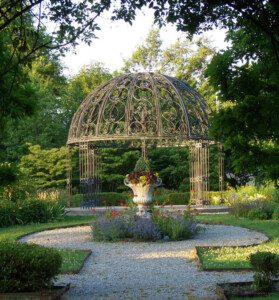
{"x": 162, "y": 270}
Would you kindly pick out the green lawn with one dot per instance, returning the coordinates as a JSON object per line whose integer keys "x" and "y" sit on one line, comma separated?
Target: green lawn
{"x": 272, "y": 296}
{"x": 237, "y": 257}
{"x": 72, "y": 259}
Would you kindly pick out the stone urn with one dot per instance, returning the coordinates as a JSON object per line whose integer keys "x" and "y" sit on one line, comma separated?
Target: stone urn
{"x": 143, "y": 195}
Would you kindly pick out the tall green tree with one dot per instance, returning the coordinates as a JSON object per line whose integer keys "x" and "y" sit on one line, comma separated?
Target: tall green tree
{"x": 16, "y": 91}
{"x": 184, "y": 60}
{"x": 46, "y": 126}
{"x": 81, "y": 85}
{"x": 79, "y": 20}
{"x": 47, "y": 168}
{"x": 247, "y": 78}
{"x": 147, "y": 56}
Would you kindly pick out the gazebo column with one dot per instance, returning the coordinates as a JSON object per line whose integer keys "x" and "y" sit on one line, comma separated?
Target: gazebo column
{"x": 144, "y": 149}
{"x": 199, "y": 173}
{"x": 221, "y": 172}
{"x": 69, "y": 176}
{"x": 89, "y": 169}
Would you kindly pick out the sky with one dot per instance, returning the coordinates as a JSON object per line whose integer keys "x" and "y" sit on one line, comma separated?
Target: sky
{"x": 117, "y": 40}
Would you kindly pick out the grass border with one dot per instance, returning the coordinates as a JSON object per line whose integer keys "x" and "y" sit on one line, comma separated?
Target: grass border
{"x": 202, "y": 268}
{"x": 198, "y": 248}
{"x": 49, "y": 229}
{"x": 89, "y": 252}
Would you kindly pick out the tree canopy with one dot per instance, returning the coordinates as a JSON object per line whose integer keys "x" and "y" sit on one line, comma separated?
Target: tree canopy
{"x": 245, "y": 77}
{"x": 184, "y": 59}
{"x": 79, "y": 20}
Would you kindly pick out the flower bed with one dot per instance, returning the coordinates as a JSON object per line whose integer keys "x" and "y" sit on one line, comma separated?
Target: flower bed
{"x": 116, "y": 226}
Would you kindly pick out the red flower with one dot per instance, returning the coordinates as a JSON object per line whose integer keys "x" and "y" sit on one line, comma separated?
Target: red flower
{"x": 115, "y": 213}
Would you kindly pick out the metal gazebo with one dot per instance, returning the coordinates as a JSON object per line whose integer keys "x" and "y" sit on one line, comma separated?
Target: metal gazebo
{"x": 142, "y": 110}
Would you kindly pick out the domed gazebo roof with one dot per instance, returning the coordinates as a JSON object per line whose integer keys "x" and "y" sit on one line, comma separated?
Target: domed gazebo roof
{"x": 141, "y": 106}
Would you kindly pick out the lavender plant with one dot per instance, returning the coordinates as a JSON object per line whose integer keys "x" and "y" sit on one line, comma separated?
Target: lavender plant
{"x": 122, "y": 226}
{"x": 144, "y": 229}
{"x": 176, "y": 227}
{"x": 110, "y": 229}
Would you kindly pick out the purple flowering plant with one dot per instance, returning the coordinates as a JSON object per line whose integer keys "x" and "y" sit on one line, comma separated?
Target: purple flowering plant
{"x": 130, "y": 227}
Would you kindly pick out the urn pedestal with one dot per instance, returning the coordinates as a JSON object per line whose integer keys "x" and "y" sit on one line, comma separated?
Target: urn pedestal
{"x": 143, "y": 195}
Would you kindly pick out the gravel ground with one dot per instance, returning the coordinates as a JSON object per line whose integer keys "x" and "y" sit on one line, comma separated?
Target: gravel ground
{"x": 161, "y": 270}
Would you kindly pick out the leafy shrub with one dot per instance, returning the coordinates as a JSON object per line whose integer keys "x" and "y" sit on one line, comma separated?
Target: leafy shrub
{"x": 257, "y": 214}
{"x": 7, "y": 173}
{"x": 162, "y": 191}
{"x": 29, "y": 211}
{"x": 113, "y": 199}
{"x": 275, "y": 196}
{"x": 142, "y": 165}
{"x": 106, "y": 199}
{"x": 8, "y": 214}
{"x": 18, "y": 191}
{"x": 173, "y": 198}
{"x": 275, "y": 214}
{"x": 26, "y": 268}
{"x": 162, "y": 196}
{"x": 256, "y": 209}
{"x": 240, "y": 209}
{"x": 266, "y": 266}
{"x": 33, "y": 211}
{"x": 215, "y": 197}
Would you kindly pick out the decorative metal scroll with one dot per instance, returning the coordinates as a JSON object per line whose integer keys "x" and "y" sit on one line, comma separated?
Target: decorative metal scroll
{"x": 199, "y": 173}
{"x": 141, "y": 110}
{"x": 149, "y": 106}
{"x": 90, "y": 180}
{"x": 221, "y": 172}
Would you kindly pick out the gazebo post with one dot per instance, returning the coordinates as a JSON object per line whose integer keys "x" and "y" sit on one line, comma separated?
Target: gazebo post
{"x": 144, "y": 149}
{"x": 199, "y": 172}
{"x": 221, "y": 172}
{"x": 69, "y": 176}
{"x": 89, "y": 168}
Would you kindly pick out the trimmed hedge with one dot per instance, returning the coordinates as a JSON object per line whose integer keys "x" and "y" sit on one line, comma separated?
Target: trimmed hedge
{"x": 255, "y": 209}
{"x": 107, "y": 199}
{"x": 27, "y": 268}
{"x": 173, "y": 198}
{"x": 266, "y": 267}
{"x": 168, "y": 197}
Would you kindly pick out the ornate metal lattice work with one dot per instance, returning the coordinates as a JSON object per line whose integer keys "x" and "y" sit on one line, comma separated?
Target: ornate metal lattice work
{"x": 199, "y": 173}
{"x": 141, "y": 110}
{"x": 89, "y": 170}
{"x": 147, "y": 106}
